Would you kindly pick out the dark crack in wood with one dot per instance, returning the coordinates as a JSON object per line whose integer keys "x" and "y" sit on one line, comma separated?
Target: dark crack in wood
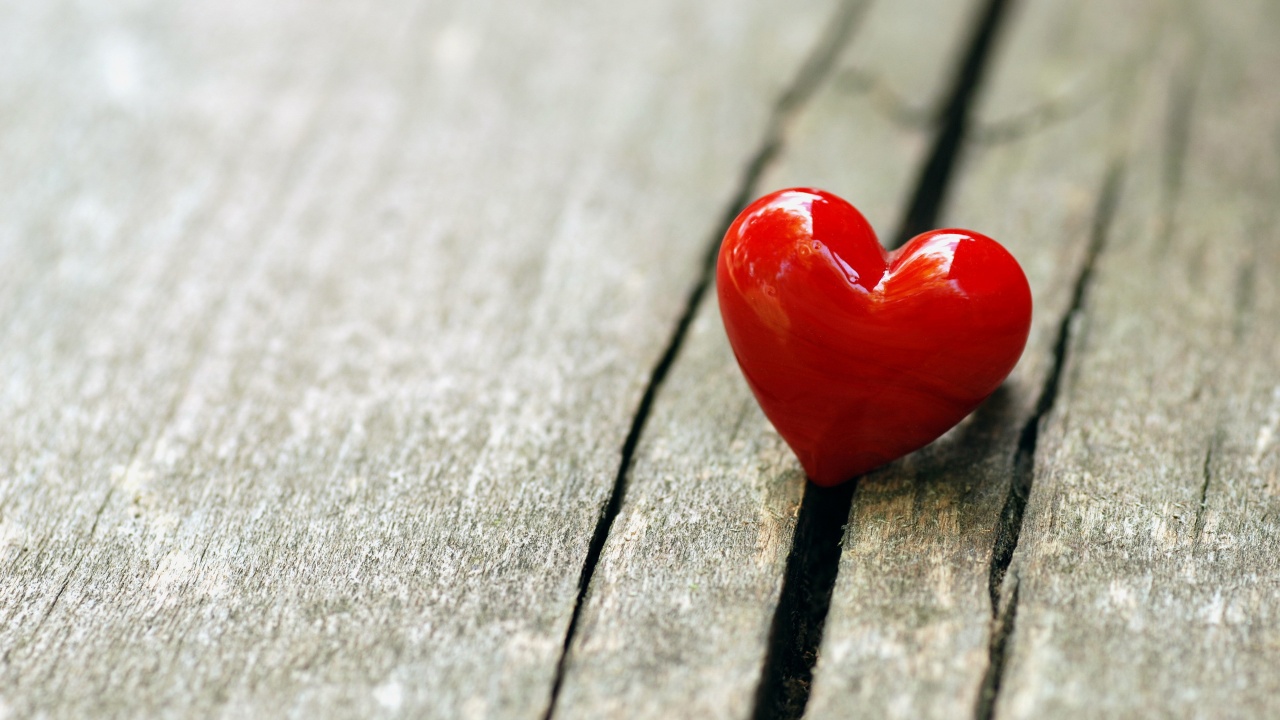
{"x": 1010, "y": 527}
{"x": 1197, "y": 528}
{"x": 801, "y": 615}
{"x": 814, "y": 561}
{"x": 1009, "y": 530}
{"x": 1002, "y": 629}
{"x": 934, "y": 180}
{"x": 810, "y": 76}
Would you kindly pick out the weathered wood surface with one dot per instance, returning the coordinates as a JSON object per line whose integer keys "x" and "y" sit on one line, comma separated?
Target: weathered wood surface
{"x": 323, "y": 327}
{"x": 909, "y": 630}
{"x": 1148, "y": 575}
{"x": 689, "y": 579}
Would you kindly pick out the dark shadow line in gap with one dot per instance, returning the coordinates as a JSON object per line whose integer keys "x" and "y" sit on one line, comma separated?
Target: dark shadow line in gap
{"x": 807, "y": 584}
{"x": 813, "y": 563}
{"x": 808, "y": 78}
{"x": 997, "y": 651}
{"x": 1009, "y": 531}
{"x": 935, "y": 176}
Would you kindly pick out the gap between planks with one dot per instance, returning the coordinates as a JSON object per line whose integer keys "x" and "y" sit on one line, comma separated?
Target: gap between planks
{"x": 811, "y": 75}
{"x": 1004, "y": 615}
{"x": 813, "y": 565}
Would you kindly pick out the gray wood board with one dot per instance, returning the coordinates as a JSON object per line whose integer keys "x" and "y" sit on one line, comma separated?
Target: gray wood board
{"x": 322, "y": 329}
{"x": 909, "y": 630}
{"x": 678, "y": 617}
{"x": 1148, "y": 579}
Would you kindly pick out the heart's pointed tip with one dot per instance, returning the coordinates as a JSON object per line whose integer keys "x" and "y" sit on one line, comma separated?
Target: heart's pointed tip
{"x": 832, "y": 472}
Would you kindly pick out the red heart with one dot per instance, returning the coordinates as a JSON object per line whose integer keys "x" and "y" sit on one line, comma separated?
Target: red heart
{"x": 857, "y": 355}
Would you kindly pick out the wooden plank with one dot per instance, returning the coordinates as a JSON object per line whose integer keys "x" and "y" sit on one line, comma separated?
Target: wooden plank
{"x": 1148, "y": 572}
{"x": 677, "y": 621}
{"x": 909, "y": 630}
{"x": 323, "y": 326}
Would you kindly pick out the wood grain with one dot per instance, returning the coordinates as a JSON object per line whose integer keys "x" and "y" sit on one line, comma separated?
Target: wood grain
{"x": 910, "y": 627}
{"x": 678, "y": 619}
{"x": 1147, "y": 573}
{"x": 322, "y": 328}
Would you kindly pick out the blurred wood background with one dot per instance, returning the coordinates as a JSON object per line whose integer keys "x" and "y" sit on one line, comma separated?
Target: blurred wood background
{"x": 361, "y": 360}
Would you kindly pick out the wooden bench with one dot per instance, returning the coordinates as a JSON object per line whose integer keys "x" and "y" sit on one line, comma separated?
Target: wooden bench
{"x": 361, "y": 360}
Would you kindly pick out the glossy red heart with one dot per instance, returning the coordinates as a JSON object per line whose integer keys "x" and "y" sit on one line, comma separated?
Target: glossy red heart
{"x": 858, "y": 355}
